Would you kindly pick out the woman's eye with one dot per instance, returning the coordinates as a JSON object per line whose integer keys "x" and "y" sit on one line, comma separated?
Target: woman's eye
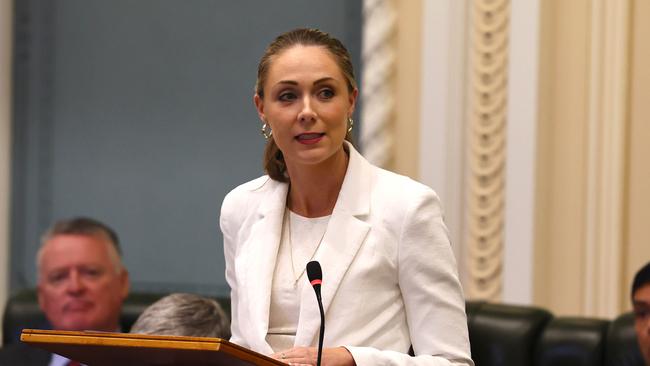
{"x": 326, "y": 93}
{"x": 287, "y": 96}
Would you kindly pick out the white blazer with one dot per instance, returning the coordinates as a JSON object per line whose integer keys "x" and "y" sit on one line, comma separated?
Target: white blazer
{"x": 389, "y": 275}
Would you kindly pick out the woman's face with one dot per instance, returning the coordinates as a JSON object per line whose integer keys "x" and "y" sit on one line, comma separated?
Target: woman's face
{"x": 307, "y": 104}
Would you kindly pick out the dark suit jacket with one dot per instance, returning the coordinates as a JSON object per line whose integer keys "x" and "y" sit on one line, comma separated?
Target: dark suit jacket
{"x": 23, "y": 355}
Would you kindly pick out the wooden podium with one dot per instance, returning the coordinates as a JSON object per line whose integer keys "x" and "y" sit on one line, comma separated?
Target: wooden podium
{"x": 112, "y": 349}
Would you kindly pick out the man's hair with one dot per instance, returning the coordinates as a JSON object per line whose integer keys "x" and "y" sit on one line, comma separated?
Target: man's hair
{"x": 641, "y": 278}
{"x": 184, "y": 315}
{"x": 87, "y": 227}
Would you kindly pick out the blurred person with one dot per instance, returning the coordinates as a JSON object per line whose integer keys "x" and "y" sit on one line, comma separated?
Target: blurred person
{"x": 81, "y": 285}
{"x": 389, "y": 274}
{"x": 184, "y": 315}
{"x": 641, "y": 308}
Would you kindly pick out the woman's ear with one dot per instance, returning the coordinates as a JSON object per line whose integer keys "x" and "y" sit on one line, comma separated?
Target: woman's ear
{"x": 259, "y": 105}
{"x": 353, "y": 100}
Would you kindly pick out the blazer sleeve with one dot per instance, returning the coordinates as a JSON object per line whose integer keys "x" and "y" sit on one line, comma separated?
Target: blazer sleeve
{"x": 433, "y": 298}
{"x": 227, "y": 223}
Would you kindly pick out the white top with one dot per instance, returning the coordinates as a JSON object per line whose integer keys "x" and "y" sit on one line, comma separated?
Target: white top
{"x": 289, "y": 278}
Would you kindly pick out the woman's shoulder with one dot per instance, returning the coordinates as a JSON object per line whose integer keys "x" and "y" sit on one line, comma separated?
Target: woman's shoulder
{"x": 251, "y": 186}
{"x": 401, "y": 187}
{"x": 247, "y": 193}
{"x": 385, "y": 184}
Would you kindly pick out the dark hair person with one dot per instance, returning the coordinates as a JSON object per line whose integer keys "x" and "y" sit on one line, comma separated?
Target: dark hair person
{"x": 641, "y": 306}
{"x": 389, "y": 275}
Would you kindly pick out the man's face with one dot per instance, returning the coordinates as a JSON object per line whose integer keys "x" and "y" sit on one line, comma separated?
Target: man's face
{"x": 79, "y": 286}
{"x": 641, "y": 304}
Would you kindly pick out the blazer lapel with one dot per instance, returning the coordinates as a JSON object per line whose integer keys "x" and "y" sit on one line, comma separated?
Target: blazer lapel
{"x": 259, "y": 255}
{"x": 345, "y": 234}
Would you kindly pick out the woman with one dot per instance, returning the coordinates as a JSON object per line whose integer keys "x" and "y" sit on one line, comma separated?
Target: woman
{"x": 389, "y": 275}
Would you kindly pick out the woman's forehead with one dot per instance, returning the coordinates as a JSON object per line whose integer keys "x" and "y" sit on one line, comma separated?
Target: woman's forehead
{"x": 304, "y": 62}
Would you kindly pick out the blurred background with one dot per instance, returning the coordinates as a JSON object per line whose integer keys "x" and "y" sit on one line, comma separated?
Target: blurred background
{"x": 528, "y": 117}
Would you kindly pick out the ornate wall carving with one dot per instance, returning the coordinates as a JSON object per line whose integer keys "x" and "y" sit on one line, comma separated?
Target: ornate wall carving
{"x": 487, "y": 146}
{"x": 378, "y": 58}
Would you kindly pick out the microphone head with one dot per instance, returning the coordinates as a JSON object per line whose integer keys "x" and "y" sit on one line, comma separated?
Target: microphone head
{"x": 315, "y": 274}
{"x": 314, "y": 271}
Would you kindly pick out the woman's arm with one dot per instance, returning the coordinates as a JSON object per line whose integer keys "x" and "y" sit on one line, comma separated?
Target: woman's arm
{"x": 433, "y": 298}
{"x": 229, "y": 249}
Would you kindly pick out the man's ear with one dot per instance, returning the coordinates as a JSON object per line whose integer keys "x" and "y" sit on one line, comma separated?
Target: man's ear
{"x": 125, "y": 282}
{"x": 259, "y": 105}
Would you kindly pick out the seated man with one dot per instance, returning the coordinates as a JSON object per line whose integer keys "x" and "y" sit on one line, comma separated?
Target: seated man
{"x": 184, "y": 315}
{"x": 81, "y": 285}
{"x": 641, "y": 305}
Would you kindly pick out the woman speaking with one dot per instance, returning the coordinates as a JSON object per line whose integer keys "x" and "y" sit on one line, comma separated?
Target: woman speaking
{"x": 389, "y": 275}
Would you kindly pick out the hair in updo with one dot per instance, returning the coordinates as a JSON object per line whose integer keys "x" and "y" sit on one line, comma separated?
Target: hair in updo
{"x": 274, "y": 164}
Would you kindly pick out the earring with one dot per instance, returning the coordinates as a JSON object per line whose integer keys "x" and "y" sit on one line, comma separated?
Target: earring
{"x": 267, "y": 132}
{"x": 350, "y": 123}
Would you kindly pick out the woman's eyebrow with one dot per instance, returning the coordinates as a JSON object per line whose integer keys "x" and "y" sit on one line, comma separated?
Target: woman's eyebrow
{"x": 293, "y": 82}
{"x": 322, "y": 80}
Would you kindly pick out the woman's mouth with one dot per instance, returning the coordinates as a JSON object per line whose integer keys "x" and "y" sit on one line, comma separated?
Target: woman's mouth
{"x": 309, "y": 138}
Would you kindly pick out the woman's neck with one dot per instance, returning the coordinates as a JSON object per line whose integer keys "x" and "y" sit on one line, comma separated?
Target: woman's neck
{"x": 314, "y": 188}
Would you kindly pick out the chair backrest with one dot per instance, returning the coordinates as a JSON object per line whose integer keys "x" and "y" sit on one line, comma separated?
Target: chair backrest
{"x": 22, "y": 311}
{"x": 572, "y": 342}
{"x": 622, "y": 346}
{"x": 504, "y": 335}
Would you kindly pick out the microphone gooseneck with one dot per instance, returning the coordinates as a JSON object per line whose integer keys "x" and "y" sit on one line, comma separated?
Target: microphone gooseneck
{"x": 315, "y": 275}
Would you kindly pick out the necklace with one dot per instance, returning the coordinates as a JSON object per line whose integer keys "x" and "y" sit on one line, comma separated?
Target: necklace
{"x": 293, "y": 268}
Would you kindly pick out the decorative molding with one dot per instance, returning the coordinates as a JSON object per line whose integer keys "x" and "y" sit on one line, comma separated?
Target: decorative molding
{"x": 378, "y": 65}
{"x": 487, "y": 147}
{"x": 607, "y": 111}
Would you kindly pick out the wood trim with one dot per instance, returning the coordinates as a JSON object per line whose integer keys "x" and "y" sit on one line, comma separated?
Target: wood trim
{"x": 101, "y": 348}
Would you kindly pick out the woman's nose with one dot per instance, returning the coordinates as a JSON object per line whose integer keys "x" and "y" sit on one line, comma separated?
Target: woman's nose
{"x": 307, "y": 114}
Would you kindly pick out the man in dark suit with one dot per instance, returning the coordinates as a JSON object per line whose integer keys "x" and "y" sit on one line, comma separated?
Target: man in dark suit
{"x": 641, "y": 305}
{"x": 81, "y": 285}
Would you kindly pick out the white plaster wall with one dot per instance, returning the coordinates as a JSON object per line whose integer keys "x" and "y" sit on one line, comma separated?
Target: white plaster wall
{"x": 521, "y": 151}
{"x": 442, "y": 105}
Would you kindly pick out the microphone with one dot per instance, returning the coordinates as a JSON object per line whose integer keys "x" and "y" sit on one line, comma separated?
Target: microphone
{"x": 315, "y": 275}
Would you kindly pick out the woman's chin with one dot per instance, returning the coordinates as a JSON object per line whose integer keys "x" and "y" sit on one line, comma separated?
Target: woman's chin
{"x": 312, "y": 156}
